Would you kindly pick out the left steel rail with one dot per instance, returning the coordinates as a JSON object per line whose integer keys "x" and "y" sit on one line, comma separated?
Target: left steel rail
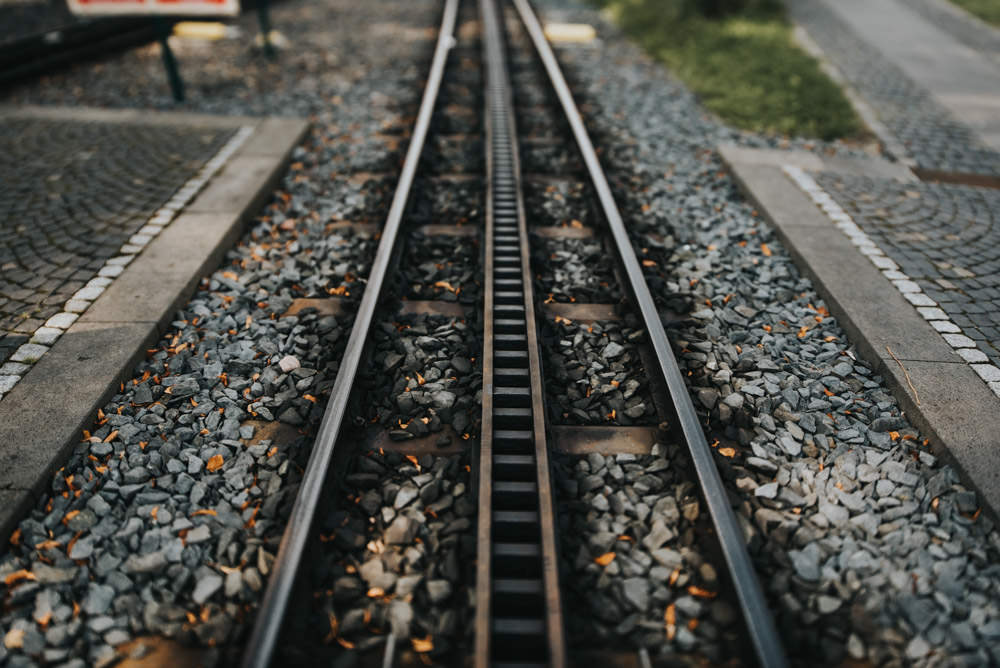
{"x": 270, "y": 618}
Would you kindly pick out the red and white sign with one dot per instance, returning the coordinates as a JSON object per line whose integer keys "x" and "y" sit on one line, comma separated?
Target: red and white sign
{"x": 134, "y": 7}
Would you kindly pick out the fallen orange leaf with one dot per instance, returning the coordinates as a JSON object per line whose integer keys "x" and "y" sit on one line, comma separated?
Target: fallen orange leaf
{"x": 727, "y": 452}
{"x": 670, "y": 614}
{"x": 214, "y": 464}
{"x": 444, "y": 285}
{"x": 605, "y": 559}
{"x": 422, "y": 645}
{"x": 765, "y": 250}
{"x": 17, "y": 576}
{"x": 701, "y": 593}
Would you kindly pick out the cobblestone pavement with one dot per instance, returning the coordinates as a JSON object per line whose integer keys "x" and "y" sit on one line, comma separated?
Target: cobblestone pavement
{"x": 72, "y": 194}
{"x": 944, "y": 237}
{"x": 962, "y": 26}
{"x": 932, "y": 136}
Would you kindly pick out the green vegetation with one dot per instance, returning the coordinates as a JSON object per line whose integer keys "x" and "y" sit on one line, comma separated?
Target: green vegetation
{"x": 739, "y": 57}
{"x": 987, "y": 10}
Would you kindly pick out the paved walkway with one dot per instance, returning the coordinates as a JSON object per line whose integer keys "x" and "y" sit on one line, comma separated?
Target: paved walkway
{"x": 963, "y": 26}
{"x": 929, "y": 73}
{"x": 937, "y": 97}
{"x": 73, "y": 194}
{"x": 81, "y": 195}
{"x": 944, "y": 237}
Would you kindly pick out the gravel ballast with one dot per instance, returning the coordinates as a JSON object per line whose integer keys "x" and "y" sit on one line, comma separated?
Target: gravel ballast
{"x": 397, "y": 557}
{"x": 574, "y": 270}
{"x": 594, "y": 374}
{"x": 557, "y": 201}
{"x": 425, "y": 376}
{"x": 167, "y": 517}
{"x": 867, "y": 544}
{"x": 442, "y": 267}
{"x": 633, "y": 570}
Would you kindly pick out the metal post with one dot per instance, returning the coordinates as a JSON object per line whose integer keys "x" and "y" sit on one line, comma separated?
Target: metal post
{"x": 265, "y": 27}
{"x": 164, "y": 27}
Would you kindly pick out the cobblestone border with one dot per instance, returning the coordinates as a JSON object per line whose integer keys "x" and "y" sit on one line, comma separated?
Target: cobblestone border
{"x": 926, "y": 307}
{"x": 21, "y": 362}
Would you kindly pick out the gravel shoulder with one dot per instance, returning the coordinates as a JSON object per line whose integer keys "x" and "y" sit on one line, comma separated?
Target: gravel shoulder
{"x": 167, "y": 516}
{"x": 868, "y": 546}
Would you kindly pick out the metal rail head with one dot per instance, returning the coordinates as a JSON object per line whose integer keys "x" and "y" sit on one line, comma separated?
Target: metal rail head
{"x": 264, "y": 637}
{"x": 756, "y": 614}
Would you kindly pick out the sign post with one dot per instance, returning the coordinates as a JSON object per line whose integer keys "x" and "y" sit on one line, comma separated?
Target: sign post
{"x": 159, "y": 9}
{"x": 163, "y": 27}
{"x": 265, "y": 27}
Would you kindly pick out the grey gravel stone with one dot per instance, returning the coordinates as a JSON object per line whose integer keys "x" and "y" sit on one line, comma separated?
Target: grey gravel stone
{"x": 636, "y": 592}
{"x": 206, "y": 586}
{"x": 146, "y": 563}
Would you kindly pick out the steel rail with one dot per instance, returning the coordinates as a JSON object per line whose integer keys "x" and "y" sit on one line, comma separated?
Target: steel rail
{"x": 518, "y": 608}
{"x": 756, "y": 614}
{"x": 270, "y": 617}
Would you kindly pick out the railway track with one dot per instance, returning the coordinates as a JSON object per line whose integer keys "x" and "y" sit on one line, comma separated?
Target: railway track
{"x": 37, "y": 54}
{"x": 519, "y": 611}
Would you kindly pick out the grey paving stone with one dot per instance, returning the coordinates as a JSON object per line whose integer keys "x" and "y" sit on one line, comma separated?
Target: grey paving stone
{"x": 60, "y": 224}
{"x": 928, "y": 132}
{"x": 946, "y": 237}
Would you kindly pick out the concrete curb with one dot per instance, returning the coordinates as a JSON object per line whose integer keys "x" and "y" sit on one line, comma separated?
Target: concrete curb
{"x": 41, "y": 418}
{"x": 941, "y": 394}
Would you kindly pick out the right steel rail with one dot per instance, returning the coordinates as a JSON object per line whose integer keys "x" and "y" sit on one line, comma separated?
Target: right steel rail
{"x": 518, "y": 611}
{"x": 756, "y": 614}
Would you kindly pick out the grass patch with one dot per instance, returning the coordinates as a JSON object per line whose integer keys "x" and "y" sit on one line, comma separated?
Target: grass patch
{"x": 745, "y": 67}
{"x": 987, "y": 10}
